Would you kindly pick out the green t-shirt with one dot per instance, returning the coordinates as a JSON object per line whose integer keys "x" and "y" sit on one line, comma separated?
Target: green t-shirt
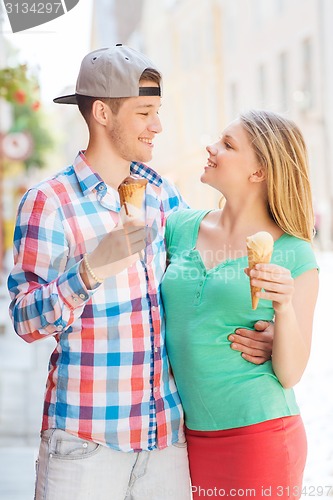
{"x": 218, "y": 388}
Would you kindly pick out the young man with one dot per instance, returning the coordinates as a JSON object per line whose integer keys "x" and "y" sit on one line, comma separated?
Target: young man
{"x": 112, "y": 422}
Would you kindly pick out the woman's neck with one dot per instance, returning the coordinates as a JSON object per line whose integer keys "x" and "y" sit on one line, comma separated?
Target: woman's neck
{"x": 244, "y": 218}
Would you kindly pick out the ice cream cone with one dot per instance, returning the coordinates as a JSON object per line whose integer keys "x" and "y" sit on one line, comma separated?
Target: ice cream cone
{"x": 255, "y": 258}
{"x": 259, "y": 251}
{"x": 131, "y": 193}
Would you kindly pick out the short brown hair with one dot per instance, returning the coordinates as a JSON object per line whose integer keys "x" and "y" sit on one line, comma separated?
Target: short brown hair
{"x": 114, "y": 103}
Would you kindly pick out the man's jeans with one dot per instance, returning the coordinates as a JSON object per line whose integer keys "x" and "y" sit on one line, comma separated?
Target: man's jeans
{"x": 69, "y": 468}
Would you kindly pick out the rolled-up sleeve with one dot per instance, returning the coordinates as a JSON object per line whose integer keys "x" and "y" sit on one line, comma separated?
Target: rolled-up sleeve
{"x": 46, "y": 297}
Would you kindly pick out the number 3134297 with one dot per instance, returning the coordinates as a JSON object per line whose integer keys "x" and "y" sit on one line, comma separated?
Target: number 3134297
{"x": 310, "y": 491}
{"x": 35, "y": 8}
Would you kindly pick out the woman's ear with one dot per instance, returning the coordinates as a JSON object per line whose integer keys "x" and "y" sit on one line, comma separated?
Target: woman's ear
{"x": 258, "y": 176}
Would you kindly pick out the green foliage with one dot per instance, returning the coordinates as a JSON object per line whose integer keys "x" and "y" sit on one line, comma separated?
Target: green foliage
{"x": 26, "y": 119}
{"x": 21, "y": 90}
{"x": 16, "y": 85}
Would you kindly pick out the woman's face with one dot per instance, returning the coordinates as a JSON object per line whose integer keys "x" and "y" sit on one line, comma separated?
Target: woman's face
{"x": 231, "y": 161}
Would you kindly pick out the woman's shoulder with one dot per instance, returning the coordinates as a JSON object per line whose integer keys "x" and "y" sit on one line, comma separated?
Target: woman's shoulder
{"x": 184, "y": 216}
{"x": 289, "y": 241}
{"x": 180, "y": 226}
{"x": 295, "y": 253}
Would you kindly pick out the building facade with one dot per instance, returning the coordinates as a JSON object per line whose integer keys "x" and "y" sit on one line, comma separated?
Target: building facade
{"x": 220, "y": 57}
{"x": 114, "y": 21}
{"x": 184, "y": 38}
{"x": 278, "y": 55}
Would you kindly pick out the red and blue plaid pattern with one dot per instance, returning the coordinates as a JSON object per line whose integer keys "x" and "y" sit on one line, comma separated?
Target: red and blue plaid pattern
{"x": 109, "y": 378}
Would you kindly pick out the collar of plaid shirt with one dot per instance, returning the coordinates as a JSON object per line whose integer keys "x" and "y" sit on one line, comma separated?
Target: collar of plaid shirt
{"x": 109, "y": 378}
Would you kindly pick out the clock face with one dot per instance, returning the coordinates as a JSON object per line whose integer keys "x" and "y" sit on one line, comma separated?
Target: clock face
{"x": 16, "y": 145}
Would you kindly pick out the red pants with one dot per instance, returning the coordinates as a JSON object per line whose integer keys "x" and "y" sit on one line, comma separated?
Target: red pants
{"x": 264, "y": 460}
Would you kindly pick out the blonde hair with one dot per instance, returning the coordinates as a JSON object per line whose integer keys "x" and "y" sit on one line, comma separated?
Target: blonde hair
{"x": 281, "y": 150}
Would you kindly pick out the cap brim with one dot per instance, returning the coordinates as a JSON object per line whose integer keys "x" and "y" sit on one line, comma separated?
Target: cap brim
{"x": 66, "y": 99}
{"x": 143, "y": 91}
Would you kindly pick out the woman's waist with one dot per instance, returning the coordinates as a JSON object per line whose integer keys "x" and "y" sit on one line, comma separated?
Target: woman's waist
{"x": 287, "y": 422}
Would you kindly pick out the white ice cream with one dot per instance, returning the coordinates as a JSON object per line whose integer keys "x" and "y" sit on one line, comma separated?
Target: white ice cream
{"x": 135, "y": 213}
{"x": 261, "y": 243}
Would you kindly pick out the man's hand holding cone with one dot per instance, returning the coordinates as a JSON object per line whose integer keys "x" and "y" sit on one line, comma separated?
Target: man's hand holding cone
{"x": 123, "y": 246}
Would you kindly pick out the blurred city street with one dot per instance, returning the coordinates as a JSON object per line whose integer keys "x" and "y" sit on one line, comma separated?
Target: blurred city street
{"x": 17, "y": 462}
{"x": 315, "y": 391}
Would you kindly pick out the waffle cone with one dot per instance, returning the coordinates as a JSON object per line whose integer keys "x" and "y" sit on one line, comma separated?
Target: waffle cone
{"x": 131, "y": 192}
{"x": 255, "y": 258}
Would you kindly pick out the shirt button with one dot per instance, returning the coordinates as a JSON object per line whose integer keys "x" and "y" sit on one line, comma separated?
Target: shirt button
{"x": 198, "y": 295}
{"x": 59, "y": 328}
{"x": 85, "y": 445}
{"x": 156, "y": 349}
{"x": 155, "y": 389}
{"x": 153, "y": 308}
{"x": 82, "y": 296}
{"x": 201, "y": 283}
{"x": 101, "y": 187}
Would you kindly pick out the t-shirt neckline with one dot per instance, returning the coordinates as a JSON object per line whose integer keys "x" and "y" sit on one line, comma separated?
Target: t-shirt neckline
{"x": 194, "y": 250}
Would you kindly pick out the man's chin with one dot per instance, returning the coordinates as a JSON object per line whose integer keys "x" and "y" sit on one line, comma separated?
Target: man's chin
{"x": 145, "y": 158}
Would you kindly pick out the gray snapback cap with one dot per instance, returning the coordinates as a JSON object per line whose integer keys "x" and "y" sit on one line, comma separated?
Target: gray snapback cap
{"x": 111, "y": 72}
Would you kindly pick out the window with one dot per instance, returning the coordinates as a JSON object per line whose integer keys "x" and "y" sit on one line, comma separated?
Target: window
{"x": 257, "y": 13}
{"x": 280, "y": 5}
{"x": 169, "y": 4}
{"x": 229, "y": 33}
{"x": 283, "y": 80}
{"x": 262, "y": 11}
{"x": 262, "y": 85}
{"x": 208, "y": 33}
{"x": 307, "y": 62}
{"x": 234, "y": 108}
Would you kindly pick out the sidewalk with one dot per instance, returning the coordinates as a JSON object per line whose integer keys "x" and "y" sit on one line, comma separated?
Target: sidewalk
{"x": 17, "y": 474}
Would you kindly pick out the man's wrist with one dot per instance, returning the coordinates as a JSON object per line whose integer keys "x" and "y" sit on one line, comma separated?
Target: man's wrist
{"x": 88, "y": 276}
{"x": 90, "y": 271}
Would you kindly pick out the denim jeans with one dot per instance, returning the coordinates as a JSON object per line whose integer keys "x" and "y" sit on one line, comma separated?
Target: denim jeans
{"x": 70, "y": 468}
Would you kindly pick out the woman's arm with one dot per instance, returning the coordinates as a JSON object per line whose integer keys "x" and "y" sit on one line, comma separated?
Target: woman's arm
{"x": 294, "y": 302}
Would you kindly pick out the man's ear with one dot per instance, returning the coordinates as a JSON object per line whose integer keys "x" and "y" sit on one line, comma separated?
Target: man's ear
{"x": 100, "y": 112}
{"x": 258, "y": 176}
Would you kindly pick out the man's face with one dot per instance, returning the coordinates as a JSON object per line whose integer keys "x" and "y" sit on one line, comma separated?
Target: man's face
{"x": 133, "y": 129}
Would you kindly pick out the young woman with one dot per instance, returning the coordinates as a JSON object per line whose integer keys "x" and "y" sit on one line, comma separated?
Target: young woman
{"x": 245, "y": 435}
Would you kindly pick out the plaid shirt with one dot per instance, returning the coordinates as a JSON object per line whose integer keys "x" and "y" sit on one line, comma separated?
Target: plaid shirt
{"x": 109, "y": 378}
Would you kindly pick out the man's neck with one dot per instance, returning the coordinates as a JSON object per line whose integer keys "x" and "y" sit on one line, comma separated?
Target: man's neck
{"x": 112, "y": 169}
